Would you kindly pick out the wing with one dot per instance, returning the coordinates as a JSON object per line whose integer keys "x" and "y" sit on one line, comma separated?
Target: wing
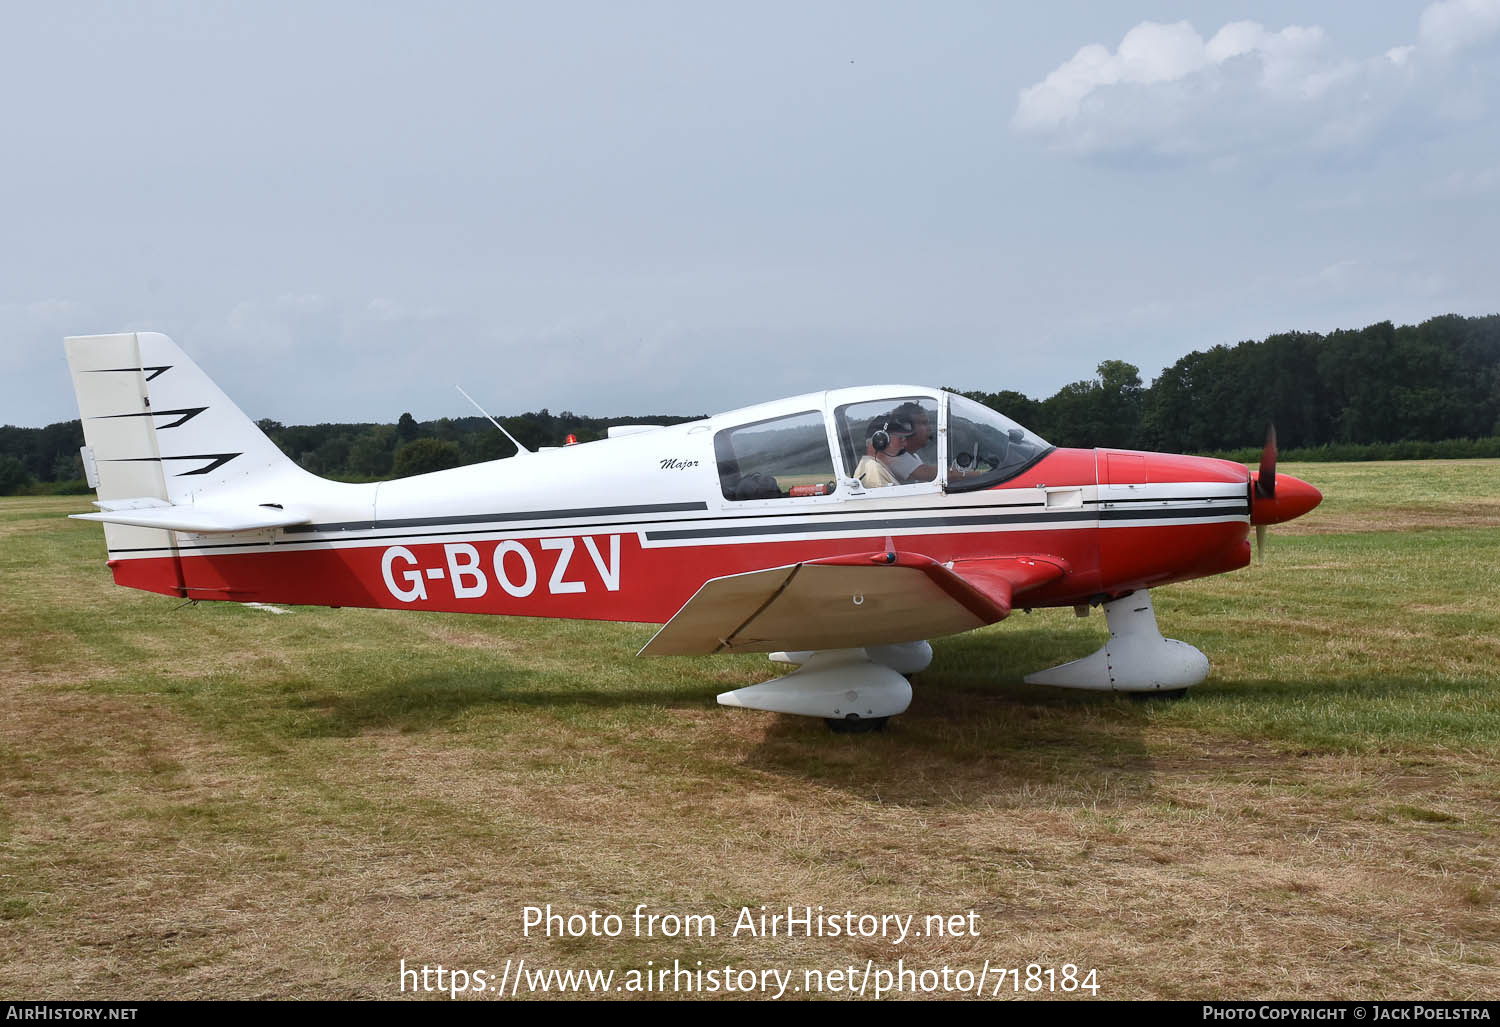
{"x": 848, "y": 601}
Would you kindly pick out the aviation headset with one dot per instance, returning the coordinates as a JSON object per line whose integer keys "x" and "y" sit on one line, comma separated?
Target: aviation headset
{"x": 880, "y": 438}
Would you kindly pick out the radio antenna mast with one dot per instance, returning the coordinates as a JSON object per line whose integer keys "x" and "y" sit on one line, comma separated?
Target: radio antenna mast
{"x": 516, "y": 442}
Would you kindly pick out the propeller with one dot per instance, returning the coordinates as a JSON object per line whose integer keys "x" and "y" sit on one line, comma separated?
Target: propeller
{"x": 1265, "y": 482}
{"x": 1265, "y": 485}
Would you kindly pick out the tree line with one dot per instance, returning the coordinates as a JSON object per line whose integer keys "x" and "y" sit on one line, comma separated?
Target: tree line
{"x": 1382, "y": 384}
{"x": 1349, "y": 392}
{"x": 47, "y": 460}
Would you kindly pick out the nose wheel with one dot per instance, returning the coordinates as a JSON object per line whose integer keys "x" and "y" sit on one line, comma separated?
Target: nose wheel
{"x": 853, "y": 725}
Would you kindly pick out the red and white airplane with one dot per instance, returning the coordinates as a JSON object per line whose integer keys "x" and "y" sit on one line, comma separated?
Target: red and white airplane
{"x": 837, "y": 531}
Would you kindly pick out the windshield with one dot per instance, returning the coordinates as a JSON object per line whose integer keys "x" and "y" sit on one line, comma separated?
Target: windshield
{"x": 986, "y": 448}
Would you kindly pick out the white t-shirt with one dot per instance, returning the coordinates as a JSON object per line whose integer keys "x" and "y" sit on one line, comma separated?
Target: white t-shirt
{"x": 873, "y": 474}
{"x": 905, "y": 465}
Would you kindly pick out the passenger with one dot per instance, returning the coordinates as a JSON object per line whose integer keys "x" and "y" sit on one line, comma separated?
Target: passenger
{"x": 885, "y": 439}
{"x": 908, "y": 466}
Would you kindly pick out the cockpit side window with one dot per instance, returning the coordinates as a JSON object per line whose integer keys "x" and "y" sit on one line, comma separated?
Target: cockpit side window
{"x": 889, "y": 441}
{"x": 986, "y": 448}
{"x": 781, "y": 458}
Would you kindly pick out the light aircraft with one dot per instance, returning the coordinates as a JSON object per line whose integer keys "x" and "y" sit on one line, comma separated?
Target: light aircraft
{"x": 837, "y": 531}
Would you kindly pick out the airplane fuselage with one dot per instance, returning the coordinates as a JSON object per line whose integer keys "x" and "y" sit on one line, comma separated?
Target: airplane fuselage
{"x": 629, "y": 528}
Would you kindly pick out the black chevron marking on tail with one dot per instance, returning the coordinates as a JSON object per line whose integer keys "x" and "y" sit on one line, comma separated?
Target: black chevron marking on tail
{"x": 188, "y": 413}
{"x": 219, "y": 460}
{"x": 156, "y": 370}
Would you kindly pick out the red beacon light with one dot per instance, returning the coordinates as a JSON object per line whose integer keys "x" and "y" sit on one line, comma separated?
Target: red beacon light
{"x": 571, "y": 440}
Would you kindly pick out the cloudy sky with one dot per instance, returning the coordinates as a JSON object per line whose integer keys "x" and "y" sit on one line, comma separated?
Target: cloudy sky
{"x": 340, "y": 209}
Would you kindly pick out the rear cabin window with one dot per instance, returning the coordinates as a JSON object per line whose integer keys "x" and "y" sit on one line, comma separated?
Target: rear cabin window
{"x": 782, "y": 458}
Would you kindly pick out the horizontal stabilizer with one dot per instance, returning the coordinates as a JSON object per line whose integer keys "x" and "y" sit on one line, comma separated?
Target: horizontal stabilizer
{"x": 199, "y": 519}
{"x": 846, "y": 602}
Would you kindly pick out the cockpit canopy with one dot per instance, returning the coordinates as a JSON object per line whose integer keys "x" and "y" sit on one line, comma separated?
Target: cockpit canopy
{"x": 985, "y": 447}
{"x": 880, "y": 438}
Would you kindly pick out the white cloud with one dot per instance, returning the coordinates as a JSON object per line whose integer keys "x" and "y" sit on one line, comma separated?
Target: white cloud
{"x": 1454, "y": 25}
{"x": 1167, "y": 91}
{"x": 1149, "y": 53}
{"x": 1152, "y": 54}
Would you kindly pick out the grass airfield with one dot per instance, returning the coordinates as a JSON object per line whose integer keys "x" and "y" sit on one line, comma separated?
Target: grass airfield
{"x": 216, "y": 801}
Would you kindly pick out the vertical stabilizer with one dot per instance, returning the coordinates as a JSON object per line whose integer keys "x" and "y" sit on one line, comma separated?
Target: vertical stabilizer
{"x": 203, "y": 443}
{"x": 160, "y": 432}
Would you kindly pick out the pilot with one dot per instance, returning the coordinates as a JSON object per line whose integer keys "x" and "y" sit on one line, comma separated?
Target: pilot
{"x": 908, "y": 466}
{"x": 885, "y": 439}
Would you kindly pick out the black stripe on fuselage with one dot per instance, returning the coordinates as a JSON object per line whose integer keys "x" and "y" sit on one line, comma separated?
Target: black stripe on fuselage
{"x": 490, "y": 518}
{"x": 377, "y": 524}
{"x": 1035, "y": 515}
{"x": 896, "y": 523}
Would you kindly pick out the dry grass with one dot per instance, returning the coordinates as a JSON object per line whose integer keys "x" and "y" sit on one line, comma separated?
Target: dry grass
{"x": 217, "y": 802}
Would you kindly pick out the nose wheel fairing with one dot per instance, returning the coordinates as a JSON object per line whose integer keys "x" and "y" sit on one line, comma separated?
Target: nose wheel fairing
{"x": 1136, "y": 658}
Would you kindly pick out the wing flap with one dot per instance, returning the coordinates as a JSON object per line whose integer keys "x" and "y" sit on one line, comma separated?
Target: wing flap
{"x": 844, "y": 602}
{"x": 200, "y": 519}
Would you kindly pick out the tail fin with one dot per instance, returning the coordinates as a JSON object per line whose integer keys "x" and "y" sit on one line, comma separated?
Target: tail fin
{"x": 155, "y": 421}
{"x": 160, "y": 436}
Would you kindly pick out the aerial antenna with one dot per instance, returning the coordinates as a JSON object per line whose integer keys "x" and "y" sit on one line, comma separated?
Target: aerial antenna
{"x": 517, "y": 442}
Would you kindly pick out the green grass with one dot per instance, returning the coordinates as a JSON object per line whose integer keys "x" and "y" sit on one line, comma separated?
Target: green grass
{"x": 217, "y": 801}
{"x": 1386, "y": 496}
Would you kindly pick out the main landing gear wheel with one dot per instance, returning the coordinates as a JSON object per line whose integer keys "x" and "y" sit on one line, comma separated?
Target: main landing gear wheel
{"x": 852, "y": 725}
